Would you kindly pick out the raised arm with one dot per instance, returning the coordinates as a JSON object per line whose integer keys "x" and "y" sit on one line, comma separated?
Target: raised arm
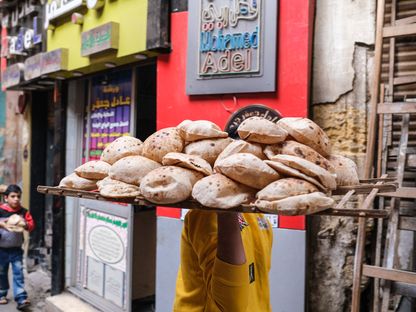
{"x": 230, "y": 245}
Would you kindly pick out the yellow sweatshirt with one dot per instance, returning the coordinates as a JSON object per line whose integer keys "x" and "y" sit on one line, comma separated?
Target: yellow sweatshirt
{"x": 207, "y": 284}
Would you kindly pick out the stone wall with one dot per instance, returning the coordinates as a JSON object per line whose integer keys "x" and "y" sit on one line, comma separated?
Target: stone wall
{"x": 343, "y": 57}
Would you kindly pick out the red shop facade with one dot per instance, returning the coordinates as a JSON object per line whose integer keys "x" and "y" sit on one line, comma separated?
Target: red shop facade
{"x": 199, "y": 80}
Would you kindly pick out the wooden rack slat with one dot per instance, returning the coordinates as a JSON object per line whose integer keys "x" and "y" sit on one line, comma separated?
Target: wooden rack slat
{"x": 246, "y": 208}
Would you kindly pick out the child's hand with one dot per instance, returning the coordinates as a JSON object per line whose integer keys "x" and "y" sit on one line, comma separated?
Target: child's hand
{"x": 3, "y": 226}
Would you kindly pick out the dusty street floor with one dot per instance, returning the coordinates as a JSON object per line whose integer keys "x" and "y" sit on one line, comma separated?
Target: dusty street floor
{"x": 38, "y": 288}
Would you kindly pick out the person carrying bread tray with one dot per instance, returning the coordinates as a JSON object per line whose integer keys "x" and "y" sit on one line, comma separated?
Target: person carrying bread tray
{"x": 14, "y": 219}
{"x": 225, "y": 263}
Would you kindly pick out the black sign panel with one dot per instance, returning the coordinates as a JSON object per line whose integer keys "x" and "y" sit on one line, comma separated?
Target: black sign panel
{"x": 255, "y": 110}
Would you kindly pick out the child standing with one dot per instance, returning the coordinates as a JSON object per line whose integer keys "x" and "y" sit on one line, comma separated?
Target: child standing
{"x": 11, "y": 252}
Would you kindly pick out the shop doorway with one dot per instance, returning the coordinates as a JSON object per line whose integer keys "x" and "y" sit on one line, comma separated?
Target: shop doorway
{"x": 112, "y": 258}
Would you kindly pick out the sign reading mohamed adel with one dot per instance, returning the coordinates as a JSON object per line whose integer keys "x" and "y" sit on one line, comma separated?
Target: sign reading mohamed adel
{"x": 231, "y": 46}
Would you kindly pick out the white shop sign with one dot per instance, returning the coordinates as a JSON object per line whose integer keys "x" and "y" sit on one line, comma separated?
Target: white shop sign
{"x": 58, "y": 8}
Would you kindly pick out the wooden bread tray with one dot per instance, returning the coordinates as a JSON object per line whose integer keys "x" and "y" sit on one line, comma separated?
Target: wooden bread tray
{"x": 365, "y": 187}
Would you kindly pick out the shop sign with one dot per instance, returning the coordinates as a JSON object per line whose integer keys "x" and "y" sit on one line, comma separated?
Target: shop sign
{"x": 21, "y": 10}
{"x": 25, "y": 40}
{"x": 12, "y": 76}
{"x": 54, "y": 61}
{"x": 26, "y": 37}
{"x": 33, "y": 67}
{"x": 59, "y": 8}
{"x": 95, "y": 4}
{"x": 100, "y": 39}
{"x": 111, "y": 107}
{"x": 229, "y": 37}
{"x": 228, "y": 41}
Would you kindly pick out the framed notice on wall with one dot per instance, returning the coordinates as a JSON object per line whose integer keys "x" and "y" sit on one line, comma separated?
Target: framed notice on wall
{"x": 231, "y": 46}
{"x": 109, "y": 114}
{"x": 105, "y": 245}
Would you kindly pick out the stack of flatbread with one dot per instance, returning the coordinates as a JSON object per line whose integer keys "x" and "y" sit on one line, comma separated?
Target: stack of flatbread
{"x": 303, "y": 160}
{"x": 284, "y": 167}
{"x": 114, "y": 174}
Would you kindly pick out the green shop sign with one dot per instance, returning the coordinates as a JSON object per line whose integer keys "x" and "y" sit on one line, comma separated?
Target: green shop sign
{"x": 100, "y": 39}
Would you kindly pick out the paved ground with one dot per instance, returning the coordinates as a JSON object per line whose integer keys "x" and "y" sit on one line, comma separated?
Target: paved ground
{"x": 37, "y": 286}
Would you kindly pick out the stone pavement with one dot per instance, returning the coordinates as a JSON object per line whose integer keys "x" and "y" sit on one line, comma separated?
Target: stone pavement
{"x": 37, "y": 286}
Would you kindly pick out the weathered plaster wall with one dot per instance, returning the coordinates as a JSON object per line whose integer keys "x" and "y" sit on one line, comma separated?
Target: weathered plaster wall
{"x": 339, "y": 26}
{"x": 343, "y": 62}
{"x": 11, "y": 135}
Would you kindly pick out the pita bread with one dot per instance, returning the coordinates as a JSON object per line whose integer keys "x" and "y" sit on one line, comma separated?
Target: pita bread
{"x": 207, "y": 149}
{"x": 247, "y": 169}
{"x": 73, "y": 181}
{"x": 15, "y": 223}
{"x": 297, "y": 205}
{"x": 162, "y": 142}
{"x": 132, "y": 169}
{"x": 15, "y": 219}
{"x": 94, "y": 169}
{"x": 121, "y": 147}
{"x": 241, "y": 146}
{"x": 345, "y": 169}
{"x": 308, "y": 168}
{"x": 106, "y": 181}
{"x": 200, "y": 129}
{"x": 307, "y": 132}
{"x": 261, "y": 130}
{"x": 187, "y": 161}
{"x": 119, "y": 189}
{"x": 218, "y": 191}
{"x": 300, "y": 150}
{"x": 285, "y": 188}
{"x": 288, "y": 171}
{"x": 169, "y": 185}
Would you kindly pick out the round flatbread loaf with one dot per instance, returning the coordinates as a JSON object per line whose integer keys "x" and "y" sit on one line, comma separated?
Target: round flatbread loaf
{"x": 297, "y": 205}
{"x": 121, "y": 147}
{"x": 118, "y": 189}
{"x": 308, "y": 168}
{"x": 261, "y": 130}
{"x": 16, "y": 220}
{"x": 200, "y": 129}
{"x": 247, "y": 169}
{"x": 345, "y": 169}
{"x": 94, "y": 170}
{"x": 162, "y": 142}
{"x": 169, "y": 185}
{"x": 132, "y": 169}
{"x": 15, "y": 223}
{"x": 73, "y": 181}
{"x": 307, "y": 132}
{"x": 106, "y": 181}
{"x": 285, "y": 188}
{"x": 241, "y": 146}
{"x": 300, "y": 150}
{"x": 218, "y": 191}
{"x": 187, "y": 161}
{"x": 291, "y": 172}
{"x": 208, "y": 149}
